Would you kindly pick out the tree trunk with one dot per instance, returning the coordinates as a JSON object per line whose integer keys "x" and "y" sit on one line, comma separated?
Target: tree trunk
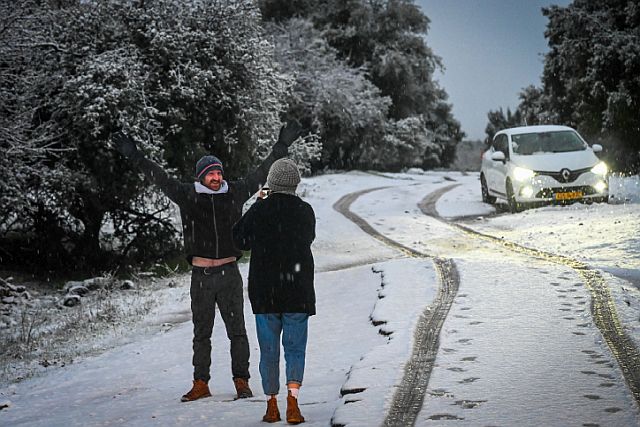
{"x": 87, "y": 252}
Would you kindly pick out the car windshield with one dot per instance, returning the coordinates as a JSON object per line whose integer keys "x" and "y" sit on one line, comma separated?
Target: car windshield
{"x": 547, "y": 142}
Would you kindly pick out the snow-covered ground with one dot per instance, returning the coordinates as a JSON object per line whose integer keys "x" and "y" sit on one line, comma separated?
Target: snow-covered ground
{"x": 518, "y": 347}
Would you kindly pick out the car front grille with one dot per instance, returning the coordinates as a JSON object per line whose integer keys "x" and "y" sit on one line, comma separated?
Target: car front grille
{"x": 565, "y": 175}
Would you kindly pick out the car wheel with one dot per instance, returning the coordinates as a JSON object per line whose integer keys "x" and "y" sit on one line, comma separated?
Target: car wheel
{"x": 486, "y": 198}
{"x": 511, "y": 199}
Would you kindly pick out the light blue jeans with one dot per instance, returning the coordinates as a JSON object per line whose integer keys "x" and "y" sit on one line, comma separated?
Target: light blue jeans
{"x": 293, "y": 327}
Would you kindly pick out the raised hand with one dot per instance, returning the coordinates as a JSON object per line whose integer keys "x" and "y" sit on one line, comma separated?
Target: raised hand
{"x": 289, "y": 133}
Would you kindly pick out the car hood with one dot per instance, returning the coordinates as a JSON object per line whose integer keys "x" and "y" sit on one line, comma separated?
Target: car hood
{"x": 554, "y": 162}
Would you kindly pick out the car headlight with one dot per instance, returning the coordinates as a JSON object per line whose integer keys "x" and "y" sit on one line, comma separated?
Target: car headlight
{"x": 600, "y": 169}
{"x": 526, "y": 192}
{"x": 522, "y": 174}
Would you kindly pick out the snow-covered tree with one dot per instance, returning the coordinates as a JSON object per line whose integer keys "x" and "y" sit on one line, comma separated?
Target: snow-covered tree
{"x": 329, "y": 97}
{"x": 385, "y": 38}
{"x": 184, "y": 78}
{"x": 499, "y": 120}
{"x": 591, "y": 74}
{"x": 532, "y": 110}
{"x": 23, "y": 148}
{"x": 406, "y": 143}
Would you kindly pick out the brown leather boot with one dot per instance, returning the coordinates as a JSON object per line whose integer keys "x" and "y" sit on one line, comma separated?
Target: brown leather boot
{"x": 199, "y": 390}
{"x": 242, "y": 388}
{"x": 293, "y": 412}
{"x": 273, "y": 414}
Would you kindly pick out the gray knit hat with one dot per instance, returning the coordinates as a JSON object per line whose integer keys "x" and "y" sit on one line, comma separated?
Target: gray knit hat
{"x": 206, "y": 164}
{"x": 283, "y": 176}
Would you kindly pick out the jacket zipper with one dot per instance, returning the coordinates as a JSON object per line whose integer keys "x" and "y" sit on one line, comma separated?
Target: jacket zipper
{"x": 215, "y": 224}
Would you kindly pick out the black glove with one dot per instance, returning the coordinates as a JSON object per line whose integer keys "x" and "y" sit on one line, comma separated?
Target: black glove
{"x": 289, "y": 133}
{"x": 124, "y": 144}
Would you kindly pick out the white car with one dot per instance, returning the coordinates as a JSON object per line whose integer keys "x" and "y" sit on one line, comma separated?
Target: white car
{"x": 533, "y": 165}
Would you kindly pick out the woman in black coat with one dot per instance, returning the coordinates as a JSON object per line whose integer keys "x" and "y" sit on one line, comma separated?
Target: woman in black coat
{"x": 279, "y": 230}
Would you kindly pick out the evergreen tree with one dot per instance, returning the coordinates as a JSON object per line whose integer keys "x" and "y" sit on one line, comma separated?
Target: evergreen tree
{"x": 591, "y": 74}
{"x": 532, "y": 107}
{"x": 498, "y": 121}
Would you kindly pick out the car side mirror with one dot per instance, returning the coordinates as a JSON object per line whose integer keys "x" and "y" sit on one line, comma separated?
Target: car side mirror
{"x": 498, "y": 156}
{"x": 596, "y": 148}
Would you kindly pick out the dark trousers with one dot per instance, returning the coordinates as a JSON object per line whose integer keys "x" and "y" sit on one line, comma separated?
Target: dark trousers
{"x": 221, "y": 286}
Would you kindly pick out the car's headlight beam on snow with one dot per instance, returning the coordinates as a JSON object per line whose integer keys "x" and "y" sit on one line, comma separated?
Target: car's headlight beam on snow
{"x": 600, "y": 169}
{"x": 522, "y": 174}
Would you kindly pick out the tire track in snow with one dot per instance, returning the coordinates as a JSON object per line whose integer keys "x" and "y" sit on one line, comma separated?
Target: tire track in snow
{"x": 409, "y": 397}
{"x": 603, "y": 309}
{"x": 343, "y": 206}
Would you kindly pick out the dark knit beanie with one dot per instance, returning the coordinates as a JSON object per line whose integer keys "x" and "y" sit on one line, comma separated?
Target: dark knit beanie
{"x": 283, "y": 176}
{"x": 207, "y": 164}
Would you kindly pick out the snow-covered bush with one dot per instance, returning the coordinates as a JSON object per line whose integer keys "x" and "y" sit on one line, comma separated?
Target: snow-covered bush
{"x": 406, "y": 143}
{"x": 329, "y": 97}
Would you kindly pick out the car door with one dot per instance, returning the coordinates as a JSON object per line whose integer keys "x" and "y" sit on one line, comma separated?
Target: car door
{"x": 489, "y": 166}
{"x": 499, "y": 168}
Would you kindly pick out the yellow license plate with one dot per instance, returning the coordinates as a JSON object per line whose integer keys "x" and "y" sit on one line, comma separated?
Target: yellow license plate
{"x": 569, "y": 195}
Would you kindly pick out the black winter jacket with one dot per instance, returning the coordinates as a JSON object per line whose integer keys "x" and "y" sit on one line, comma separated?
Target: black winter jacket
{"x": 279, "y": 231}
{"x": 207, "y": 219}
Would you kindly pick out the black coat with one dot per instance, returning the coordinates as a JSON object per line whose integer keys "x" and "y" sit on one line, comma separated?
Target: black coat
{"x": 279, "y": 231}
{"x": 207, "y": 219}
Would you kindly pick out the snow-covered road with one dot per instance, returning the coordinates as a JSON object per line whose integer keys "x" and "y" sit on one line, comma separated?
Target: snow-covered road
{"x": 520, "y": 334}
{"x": 518, "y": 347}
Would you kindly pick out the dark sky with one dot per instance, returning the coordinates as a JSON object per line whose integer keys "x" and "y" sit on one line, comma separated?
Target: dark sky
{"x": 491, "y": 50}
